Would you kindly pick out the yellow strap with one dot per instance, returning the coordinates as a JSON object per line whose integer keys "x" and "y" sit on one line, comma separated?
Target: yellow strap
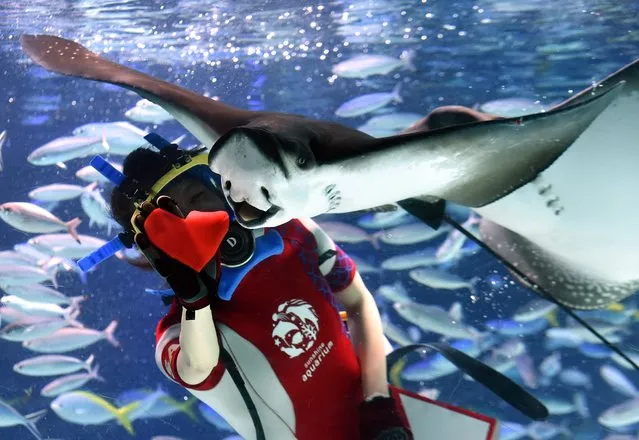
{"x": 200, "y": 159}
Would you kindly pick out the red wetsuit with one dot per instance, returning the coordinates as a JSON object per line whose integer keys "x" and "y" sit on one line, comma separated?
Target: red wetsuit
{"x": 284, "y": 331}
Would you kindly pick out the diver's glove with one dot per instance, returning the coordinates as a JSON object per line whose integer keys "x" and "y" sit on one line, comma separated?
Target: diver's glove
{"x": 379, "y": 419}
{"x": 191, "y": 288}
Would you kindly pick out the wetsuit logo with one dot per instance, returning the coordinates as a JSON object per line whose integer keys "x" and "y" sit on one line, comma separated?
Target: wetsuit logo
{"x": 295, "y": 327}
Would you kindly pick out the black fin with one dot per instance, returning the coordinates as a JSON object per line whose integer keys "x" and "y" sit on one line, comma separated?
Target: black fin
{"x": 504, "y": 387}
{"x": 431, "y": 213}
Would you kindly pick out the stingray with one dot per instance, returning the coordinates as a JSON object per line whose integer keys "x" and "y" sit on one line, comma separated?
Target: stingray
{"x": 279, "y": 166}
{"x": 574, "y": 229}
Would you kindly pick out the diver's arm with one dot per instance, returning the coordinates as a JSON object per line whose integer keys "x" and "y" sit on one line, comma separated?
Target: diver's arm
{"x": 199, "y": 346}
{"x": 364, "y": 322}
{"x": 367, "y": 334}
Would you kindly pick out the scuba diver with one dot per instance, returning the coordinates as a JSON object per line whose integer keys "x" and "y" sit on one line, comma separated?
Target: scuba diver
{"x": 254, "y": 328}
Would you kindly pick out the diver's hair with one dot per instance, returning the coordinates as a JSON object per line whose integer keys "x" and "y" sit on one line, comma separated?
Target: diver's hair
{"x": 146, "y": 166}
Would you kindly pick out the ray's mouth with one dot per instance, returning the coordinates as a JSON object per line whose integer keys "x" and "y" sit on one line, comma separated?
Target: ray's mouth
{"x": 251, "y": 216}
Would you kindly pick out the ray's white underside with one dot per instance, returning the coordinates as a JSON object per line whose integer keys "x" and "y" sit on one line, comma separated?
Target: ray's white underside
{"x": 594, "y": 188}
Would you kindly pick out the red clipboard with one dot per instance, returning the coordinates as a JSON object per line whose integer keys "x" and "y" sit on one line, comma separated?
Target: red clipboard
{"x": 433, "y": 420}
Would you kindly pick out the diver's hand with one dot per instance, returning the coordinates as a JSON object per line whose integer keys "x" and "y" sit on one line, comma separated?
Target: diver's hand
{"x": 380, "y": 420}
{"x": 190, "y": 287}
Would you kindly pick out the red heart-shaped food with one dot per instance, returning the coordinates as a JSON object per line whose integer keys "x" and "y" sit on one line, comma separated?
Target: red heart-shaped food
{"x": 193, "y": 240}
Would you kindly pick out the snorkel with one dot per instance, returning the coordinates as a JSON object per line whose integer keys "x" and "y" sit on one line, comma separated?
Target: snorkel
{"x": 194, "y": 240}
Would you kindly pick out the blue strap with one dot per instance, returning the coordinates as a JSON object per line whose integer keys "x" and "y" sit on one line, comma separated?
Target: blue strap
{"x": 99, "y": 255}
{"x": 157, "y": 141}
{"x": 103, "y": 167}
{"x": 266, "y": 246}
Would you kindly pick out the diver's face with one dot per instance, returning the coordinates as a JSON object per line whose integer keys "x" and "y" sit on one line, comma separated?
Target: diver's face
{"x": 191, "y": 194}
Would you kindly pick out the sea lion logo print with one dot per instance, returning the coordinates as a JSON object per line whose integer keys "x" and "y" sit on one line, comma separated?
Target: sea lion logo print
{"x": 295, "y": 327}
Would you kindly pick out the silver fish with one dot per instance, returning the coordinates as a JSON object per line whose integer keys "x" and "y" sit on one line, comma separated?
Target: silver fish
{"x": 624, "y": 363}
{"x": 535, "y": 309}
{"x": 452, "y": 248}
{"x": 67, "y": 148}
{"x": 395, "y": 292}
{"x": 546, "y": 430}
{"x": 411, "y": 233}
{"x": 526, "y": 369}
{"x": 392, "y": 121}
{"x": 582, "y": 334}
{"x": 344, "y": 233}
{"x": 90, "y": 174}
{"x": 71, "y": 382}
{"x": 377, "y": 132}
{"x": 396, "y": 333}
{"x": 618, "y": 381}
{"x": 147, "y": 112}
{"x": 368, "y": 103}
{"x": 551, "y": 365}
{"x": 122, "y": 137}
{"x": 31, "y": 252}
{"x": 621, "y": 415}
{"x": 412, "y": 260}
{"x": 56, "y": 192}
{"x": 52, "y": 365}
{"x": 438, "y": 279}
{"x": 511, "y": 107}
{"x": 10, "y": 315}
{"x": 435, "y": 319}
{"x": 363, "y": 66}
{"x": 40, "y": 309}
{"x": 28, "y": 217}
{"x": 69, "y": 339}
{"x": 364, "y": 266}
{"x": 97, "y": 209}
{"x": 39, "y": 293}
{"x": 13, "y": 257}
{"x": 36, "y": 327}
{"x": 10, "y": 417}
{"x": 380, "y": 220}
{"x": 62, "y": 245}
{"x": 15, "y": 275}
{"x": 575, "y": 378}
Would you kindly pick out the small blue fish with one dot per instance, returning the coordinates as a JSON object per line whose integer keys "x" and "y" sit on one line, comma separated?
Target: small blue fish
{"x": 509, "y": 327}
{"x": 10, "y": 417}
{"x": 84, "y": 408}
{"x": 381, "y": 220}
{"x": 165, "y": 406}
{"x": 32, "y": 120}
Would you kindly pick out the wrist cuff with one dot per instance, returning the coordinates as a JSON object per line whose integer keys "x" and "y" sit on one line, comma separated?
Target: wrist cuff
{"x": 198, "y": 302}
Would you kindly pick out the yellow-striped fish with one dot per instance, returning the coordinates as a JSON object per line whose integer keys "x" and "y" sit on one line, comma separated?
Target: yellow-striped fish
{"x": 85, "y": 408}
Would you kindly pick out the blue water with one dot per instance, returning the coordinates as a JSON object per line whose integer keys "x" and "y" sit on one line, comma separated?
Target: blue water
{"x": 280, "y": 59}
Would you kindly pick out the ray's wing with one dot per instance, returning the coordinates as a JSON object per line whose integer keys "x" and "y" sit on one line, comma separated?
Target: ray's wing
{"x": 477, "y": 163}
{"x": 573, "y": 288}
{"x": 628, "y": 73}
{"x": 203, "y": 117}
